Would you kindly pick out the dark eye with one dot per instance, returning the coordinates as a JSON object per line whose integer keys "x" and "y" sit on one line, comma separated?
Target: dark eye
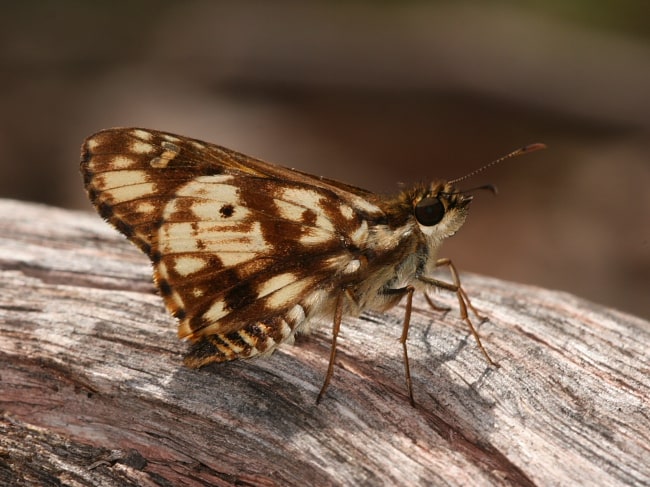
{"x": 429, "y": 211}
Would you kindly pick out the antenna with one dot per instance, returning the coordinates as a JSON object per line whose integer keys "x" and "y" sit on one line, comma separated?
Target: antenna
{"x": 519, "y": 152}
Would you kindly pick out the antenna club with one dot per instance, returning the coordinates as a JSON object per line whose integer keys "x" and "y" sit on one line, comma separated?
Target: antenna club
{"x": 533, "y": 147}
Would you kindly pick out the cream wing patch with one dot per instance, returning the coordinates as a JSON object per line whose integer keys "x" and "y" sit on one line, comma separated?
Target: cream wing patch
{"x": 170, "y": 151}
{"x": 217, "y": 311}
{"x": 123, "y": 162}
{"x": 142, "y": 134}
{"x": 125, "y": 184}
{"x": 129, "y": 193}
{"x": 186, "y": 237}
{"x": 293, "y": 202}
{"x": 117, "y": 179}
{"x": 185, "y": 265}
{"x": 139, "y": 147}
{"x": 275, "y": 283}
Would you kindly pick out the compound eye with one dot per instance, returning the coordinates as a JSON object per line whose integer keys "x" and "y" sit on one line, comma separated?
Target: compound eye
{"x": 429, "y": 211}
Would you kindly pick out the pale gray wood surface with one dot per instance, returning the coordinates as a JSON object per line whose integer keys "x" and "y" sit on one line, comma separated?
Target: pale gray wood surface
{"x": 93, "y": 390}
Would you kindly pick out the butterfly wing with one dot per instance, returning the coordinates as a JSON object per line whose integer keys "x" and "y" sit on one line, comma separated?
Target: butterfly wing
{"x": 244, "y": 252}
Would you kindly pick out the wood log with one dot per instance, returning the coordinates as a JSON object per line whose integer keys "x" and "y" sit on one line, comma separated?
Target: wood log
{"x": 93, "y": 390}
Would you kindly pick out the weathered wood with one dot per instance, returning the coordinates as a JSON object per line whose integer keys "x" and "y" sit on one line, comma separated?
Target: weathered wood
{"x": 93, "y": 390}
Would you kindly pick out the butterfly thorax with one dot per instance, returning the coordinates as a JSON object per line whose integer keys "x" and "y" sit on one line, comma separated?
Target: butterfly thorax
{"x": 405, "y": 245}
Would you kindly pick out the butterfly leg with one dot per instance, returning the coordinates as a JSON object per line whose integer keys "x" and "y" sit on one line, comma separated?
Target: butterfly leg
{"x": 463, "y": 301}
{"x": 338, "y": 315}
{"x": 403, "y": 338}
{"x": 435, "y": 306}
{"x": 408, "y": 290}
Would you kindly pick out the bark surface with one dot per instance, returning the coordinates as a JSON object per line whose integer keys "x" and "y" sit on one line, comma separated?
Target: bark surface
{"x": 93, "y": 390}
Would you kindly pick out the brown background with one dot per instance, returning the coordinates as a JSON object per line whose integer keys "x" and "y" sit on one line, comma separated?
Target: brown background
{"x": 373, "y": 93}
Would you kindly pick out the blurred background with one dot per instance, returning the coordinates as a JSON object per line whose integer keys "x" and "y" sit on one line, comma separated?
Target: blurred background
{"x": 374, "y": 94}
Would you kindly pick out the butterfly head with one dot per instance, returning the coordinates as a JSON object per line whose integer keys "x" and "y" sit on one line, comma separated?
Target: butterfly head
{"x": 440, "y": 209}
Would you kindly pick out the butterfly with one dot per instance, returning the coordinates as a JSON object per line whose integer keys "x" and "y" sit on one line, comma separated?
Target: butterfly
{"x": 246, "y": 253}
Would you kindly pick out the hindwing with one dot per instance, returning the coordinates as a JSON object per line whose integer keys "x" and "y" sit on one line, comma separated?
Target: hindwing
{"x": 243, "y": 251}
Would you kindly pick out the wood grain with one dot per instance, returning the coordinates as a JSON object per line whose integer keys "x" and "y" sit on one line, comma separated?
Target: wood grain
{"x": 93, "y": 390}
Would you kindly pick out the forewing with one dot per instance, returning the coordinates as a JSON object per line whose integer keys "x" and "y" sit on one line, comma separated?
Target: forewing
{"x": 233, "y": 240}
